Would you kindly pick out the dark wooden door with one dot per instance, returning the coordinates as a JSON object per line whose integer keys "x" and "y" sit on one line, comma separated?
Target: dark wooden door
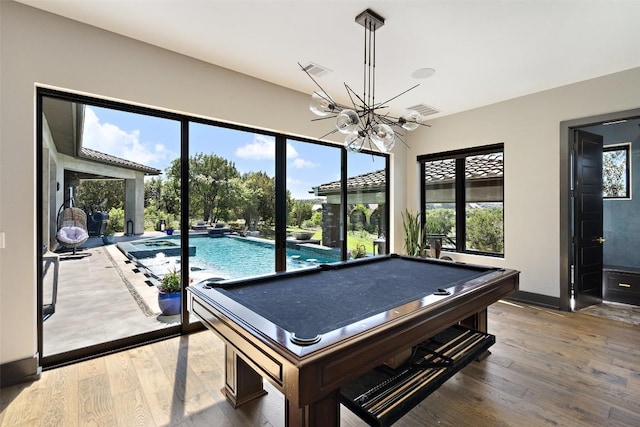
{"x": 587, "y": 238}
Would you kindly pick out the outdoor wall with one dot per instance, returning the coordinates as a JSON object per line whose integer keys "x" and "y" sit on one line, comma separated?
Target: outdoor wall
{"x": 38, "y": 48}
{"x": 529, "y": 127}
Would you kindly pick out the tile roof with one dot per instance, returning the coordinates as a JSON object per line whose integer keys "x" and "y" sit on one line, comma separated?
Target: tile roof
{"x": 117, "y": 161}
{"x": 372, "y": 180}
{"x": 477, "y": 167}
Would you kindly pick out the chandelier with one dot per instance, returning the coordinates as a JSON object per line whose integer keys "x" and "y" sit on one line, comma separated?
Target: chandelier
{"x": 365, "y": 122}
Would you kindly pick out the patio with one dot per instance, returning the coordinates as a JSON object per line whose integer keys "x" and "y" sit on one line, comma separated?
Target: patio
{"x": 101, "y": 297}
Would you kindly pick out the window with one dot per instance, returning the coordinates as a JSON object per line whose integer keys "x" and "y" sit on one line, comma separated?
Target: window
{"x": 210, "y": 200}
{"x": 463, "y": 197}
{"x": 616, "y": 172}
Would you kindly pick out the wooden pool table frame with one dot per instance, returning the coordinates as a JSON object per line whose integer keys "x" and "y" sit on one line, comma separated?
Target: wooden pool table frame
{"x": 310, "y": 376}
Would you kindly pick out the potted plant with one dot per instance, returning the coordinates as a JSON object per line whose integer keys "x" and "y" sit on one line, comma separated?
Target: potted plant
{"x": 169, "y": 292}
{"x": 108, "y": 237}
{"x": 414, "y": 235}
{"x": 170, "y": 228}
{"x": 360, "y": 251}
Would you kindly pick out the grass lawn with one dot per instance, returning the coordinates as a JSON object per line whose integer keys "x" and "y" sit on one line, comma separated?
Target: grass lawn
{"x": 355, "y": 239}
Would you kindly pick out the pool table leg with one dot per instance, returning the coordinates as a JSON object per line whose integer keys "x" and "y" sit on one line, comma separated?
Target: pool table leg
{"x": 478, "y": 322}
{"x": 242, "y": 383}
{"x": 323, "y": 413}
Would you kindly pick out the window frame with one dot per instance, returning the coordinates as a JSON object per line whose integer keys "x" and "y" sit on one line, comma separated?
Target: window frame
{"x": 184, "y": 327}
{"x": 626, "y": 147}
{"x": 460, "y": 156}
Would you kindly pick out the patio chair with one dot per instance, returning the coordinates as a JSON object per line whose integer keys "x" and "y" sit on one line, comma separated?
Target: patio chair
{"x": 72, "y": 228}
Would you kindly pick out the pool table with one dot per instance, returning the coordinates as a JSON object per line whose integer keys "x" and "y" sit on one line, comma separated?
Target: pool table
{"x": 310, "y": 331}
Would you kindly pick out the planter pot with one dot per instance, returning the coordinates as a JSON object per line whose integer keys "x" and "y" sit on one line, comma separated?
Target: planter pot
{"x": 169, "y": 303}
{"x": 169, "y": 231}
{"x": 109, "y": 240}
{"x": 303, "y": 235}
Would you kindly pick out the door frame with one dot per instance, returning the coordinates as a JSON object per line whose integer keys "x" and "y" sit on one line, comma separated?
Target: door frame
{"x": 566, "y": 255}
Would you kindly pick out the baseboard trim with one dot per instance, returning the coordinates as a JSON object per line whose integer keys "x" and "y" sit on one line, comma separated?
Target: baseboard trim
{"x": 535, "y": 299}
{"x": 20, "y": 371}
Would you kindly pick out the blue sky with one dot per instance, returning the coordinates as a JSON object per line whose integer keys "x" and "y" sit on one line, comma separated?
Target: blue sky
{"x": 155, "y": 142}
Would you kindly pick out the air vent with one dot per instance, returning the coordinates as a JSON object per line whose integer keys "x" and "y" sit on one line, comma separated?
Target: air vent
{"x": 316, "y": 70}
{"x": 424, "y": 109}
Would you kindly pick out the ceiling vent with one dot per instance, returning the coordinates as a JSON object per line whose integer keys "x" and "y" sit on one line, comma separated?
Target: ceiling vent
{"x": 316, "y": 70}
{"x": 424, "y": 109}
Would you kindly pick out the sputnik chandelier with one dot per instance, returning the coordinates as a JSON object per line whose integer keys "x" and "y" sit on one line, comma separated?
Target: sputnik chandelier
{"x": 365, "y": 122}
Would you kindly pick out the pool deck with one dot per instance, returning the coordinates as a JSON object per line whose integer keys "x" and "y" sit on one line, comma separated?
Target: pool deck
{"x": 101, "y": 297}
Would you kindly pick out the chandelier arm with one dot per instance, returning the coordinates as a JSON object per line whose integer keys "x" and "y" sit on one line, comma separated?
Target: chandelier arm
{"x": 317, "y": 84}
{"x": 400, "y": 94}
{"x": 324, "y": 118}
{"x": 328, "y": 133}
{"x": 401, "y": 138}
{"x": 355, "y": 105}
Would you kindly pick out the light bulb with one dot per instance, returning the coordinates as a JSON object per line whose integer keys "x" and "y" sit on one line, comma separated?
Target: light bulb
{"x": 347, "y": 121}
{"x": 383, "y": 137}
{"x": 320, "y": 105}
{"x": 411, "y": 120}
{"x": 354, "y": 142}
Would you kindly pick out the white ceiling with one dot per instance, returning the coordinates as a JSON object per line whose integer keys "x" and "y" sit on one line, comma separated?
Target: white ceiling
{"x": 483, "y": 51}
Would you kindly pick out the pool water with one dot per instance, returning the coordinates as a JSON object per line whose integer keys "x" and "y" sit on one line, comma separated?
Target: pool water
{"x": 230, "y": 258}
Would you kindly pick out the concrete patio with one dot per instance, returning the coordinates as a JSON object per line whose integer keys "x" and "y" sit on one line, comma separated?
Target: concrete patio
{"x": 101, "y": 297}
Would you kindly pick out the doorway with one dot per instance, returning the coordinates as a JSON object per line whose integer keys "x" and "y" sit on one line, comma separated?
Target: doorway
{"x": 614, "y": 128}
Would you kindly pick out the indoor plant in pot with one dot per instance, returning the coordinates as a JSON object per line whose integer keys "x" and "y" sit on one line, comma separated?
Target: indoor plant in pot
{"x": 169, "y": 292}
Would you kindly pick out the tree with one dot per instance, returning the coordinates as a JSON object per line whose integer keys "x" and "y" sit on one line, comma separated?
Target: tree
{"x": 152, "y": 191}
{"x": 439, "y": 221}
{"x": 101, "y": 194}
{"x": 254, "y": 198}
{"x": 485, "y": 229}
{"x": 614, "y": 173}
{"x": 209, "y": 185}
{"x": 300, "y": 212}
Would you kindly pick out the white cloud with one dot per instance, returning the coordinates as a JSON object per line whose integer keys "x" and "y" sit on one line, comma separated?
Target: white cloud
{"x": 302, "y": 164}
{"x": 263, "y": 148}
{"x": 110, "y": 139}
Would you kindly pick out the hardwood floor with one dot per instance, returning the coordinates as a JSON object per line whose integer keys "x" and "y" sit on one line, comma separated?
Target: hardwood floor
{"x": 546, "y": 368}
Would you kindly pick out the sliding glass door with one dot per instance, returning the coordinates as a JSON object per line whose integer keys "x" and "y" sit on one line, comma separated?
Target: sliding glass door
{"x": 136, "y": 204}
{"x": 102, "y": 201}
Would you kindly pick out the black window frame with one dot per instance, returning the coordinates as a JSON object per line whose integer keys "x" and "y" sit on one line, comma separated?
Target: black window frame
{"x": 626, "y": 148}
{"x": 460, "y": 157}
{"x": 184, "y": 327}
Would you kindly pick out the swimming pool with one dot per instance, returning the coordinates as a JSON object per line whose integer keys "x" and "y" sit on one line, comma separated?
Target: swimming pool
{"x": 227, "y": 257}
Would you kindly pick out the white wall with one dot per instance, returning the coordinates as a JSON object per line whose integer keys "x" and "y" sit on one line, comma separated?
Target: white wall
{"x": 529, "y": 127}
{"x": 39, "y": 48}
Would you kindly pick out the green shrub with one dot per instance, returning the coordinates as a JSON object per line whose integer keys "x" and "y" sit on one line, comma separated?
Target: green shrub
{"x": 116, "y": 220}
{"x": 485, "y": 229}
{"x": 439, "y": 221}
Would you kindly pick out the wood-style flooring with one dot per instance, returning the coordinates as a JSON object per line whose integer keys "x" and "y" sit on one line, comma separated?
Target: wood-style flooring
{"x": 547, "y": 368}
